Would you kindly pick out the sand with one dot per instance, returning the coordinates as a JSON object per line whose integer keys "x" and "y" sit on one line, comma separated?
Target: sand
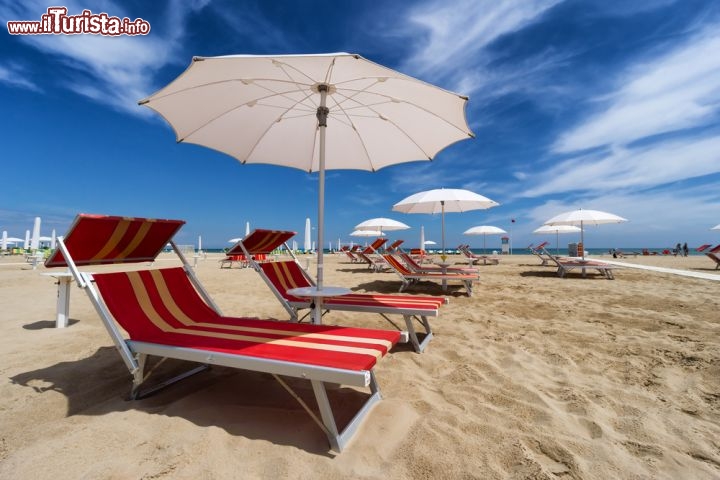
{"x": 533, "y": 377}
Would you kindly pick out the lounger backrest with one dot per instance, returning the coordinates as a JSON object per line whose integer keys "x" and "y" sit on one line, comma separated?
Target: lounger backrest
{"x": 393, "y": 246}
{"x": 393, "y": 262}
{"x": 715, "y": 249}
{"x": 261, "y": 241}
{"x": 284, "y": 276}
{"x": 379, "y": 242}
{"x": 102, "y": 239}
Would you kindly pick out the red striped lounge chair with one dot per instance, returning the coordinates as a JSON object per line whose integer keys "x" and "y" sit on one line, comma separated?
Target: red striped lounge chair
{"x": 566, "y": 264}
{"x": 167, "y": 313}
{"x": 539, "y": 251}
{"x": 281, "y": 276}
{"x": 371, "y": 256}
{"x": 416, "y": 267}
{"x": 475, "y": 259}
{"x": 714, "y": 255}
{"x": 409, "y": 277}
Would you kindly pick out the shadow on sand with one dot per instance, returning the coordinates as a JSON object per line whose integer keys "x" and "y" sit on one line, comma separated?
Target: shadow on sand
{"x": 243, "y": 403}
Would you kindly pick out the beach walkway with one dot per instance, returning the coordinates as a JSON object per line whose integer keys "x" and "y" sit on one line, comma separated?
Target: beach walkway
{"x": 674, "y": 271}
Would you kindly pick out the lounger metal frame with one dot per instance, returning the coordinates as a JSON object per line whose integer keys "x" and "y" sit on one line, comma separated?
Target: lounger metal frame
{"x": 135, "y": 353}
{"x": 410, "y": 316}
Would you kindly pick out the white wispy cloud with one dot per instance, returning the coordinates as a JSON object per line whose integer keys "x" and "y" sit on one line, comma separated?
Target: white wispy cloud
{"x": 116, "y": 71}
{"x": 675, "y": 91}
{"x": 686, "y": 213}
{"x": 17, "y": 76}
{"x": 663, "y": 162}
{"x": 457, "y": 33}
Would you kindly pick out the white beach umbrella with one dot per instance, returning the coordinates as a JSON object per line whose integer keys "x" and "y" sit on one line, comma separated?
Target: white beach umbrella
{"x": 26, "y": 245}
{"x": 235, "y": 240}
{"x": 247, "y": 228}
{"x": 584, "y": 217}
{"x": 53, "y": 240}
{"x": 35, "y": 239}
{"x": 367, "y": 233}
{"x": 4, "y": 241}
{"x": 443, "y": 200}
{"x": 484, "y": 230}
{"x": 387, "y": 224}
{"x": 716, "y": 227}
{"x": 276, "y": 110}
{"x": 557, "y": 230}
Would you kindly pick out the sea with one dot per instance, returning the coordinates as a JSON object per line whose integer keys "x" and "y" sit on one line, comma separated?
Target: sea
{"x": 524, "y": 251}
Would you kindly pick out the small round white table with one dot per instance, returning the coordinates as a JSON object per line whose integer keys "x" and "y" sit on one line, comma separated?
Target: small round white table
{"x": 317, "y": 296}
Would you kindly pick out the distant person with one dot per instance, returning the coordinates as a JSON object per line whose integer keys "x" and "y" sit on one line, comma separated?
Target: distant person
{"x": 685, "y": 250}
{"x": 678, "y": 249}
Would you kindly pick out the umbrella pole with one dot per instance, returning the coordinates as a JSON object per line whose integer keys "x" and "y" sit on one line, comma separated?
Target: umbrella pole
{"x": 442, "y": 205}
{"x": 582, "y": 238}
{"x": 322, "y": 114}
{"x": 557, "y": 242}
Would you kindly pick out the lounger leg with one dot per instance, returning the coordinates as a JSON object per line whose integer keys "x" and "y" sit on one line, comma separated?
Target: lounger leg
{"x": 139, "y": 378}
{"x": 338, "y": 440}
{"x": 419, "y": 347}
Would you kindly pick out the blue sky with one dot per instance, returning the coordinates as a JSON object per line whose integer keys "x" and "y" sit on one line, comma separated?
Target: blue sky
{"x": 591, "y": 104}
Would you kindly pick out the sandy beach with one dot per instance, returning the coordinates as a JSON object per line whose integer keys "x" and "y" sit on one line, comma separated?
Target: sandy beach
{"x": 534, "y": 377}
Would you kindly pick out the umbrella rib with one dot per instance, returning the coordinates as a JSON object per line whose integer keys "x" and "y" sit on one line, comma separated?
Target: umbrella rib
{"x": 429, "y": 157}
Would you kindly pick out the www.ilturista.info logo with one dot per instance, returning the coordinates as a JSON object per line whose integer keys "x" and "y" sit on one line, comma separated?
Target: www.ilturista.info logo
{"x": 57, "y": 22}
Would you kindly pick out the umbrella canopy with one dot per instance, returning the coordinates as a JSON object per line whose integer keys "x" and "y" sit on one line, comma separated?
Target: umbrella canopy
{"x": 381, "y": 224}
{"x": 484, "y": 230}
{"x": 444, "y": 200}
{"x": 367, "y": 233}
{"x": 557, "y": 230}
{"x": 276, "y": 109}
{"x": 584, "y": 217}
{"x": 4, "y": 241}
{"x": 716, "y": 227}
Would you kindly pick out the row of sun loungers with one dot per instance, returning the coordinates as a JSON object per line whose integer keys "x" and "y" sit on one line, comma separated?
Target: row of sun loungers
{"x": 166, "y": 312}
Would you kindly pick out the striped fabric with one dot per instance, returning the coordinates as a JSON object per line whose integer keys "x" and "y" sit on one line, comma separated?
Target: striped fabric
{"x": 102, "y": 239}
{"x": 406, "y": 272}
{"x": 416, "y": 267}
{"x": 163, "y": 307}
{"x": 261, "y": 241}
{"x": 286, "y": 275}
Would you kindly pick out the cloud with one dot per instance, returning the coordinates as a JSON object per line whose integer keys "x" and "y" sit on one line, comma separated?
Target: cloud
{"x": 444, "y": 51}
{"x": 686, "y": 213}
{"x": 16, "y": 76}
{"x": 664, "y": 162}
{"x": 677, "y": 91}
{"x": 116, "y": 71}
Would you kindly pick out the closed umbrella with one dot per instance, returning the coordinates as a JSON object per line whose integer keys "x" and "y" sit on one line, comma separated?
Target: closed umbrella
{"x": 443, "y": 200}
{"x": 276, "y": 110}
{"x": 584, "y": 217}
{"x": 307, "y": 244}
{"x": 557, "y": 230}
{"x": 35, "y": 239}
{"x": 484, "y": 230}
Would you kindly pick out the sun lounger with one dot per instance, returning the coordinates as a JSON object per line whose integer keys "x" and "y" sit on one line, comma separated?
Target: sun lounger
{"x": 475, "y": 259}
{"x": 567, "y": 264}
{"x": 167, "y": 313}
{"x": 714, "y": 255}
{"x": 285, "y": 275}
{"x": 409, "y": 277}
{"x": 538, "y": 252}
{"x": 704, "y": 247}
{"x": 416, "y": 267}
{"x": 351, "y": 253}
{"x": 371, "y": 256}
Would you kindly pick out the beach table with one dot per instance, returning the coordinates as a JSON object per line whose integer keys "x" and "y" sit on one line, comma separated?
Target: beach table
{"x": 64, "y": 281}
